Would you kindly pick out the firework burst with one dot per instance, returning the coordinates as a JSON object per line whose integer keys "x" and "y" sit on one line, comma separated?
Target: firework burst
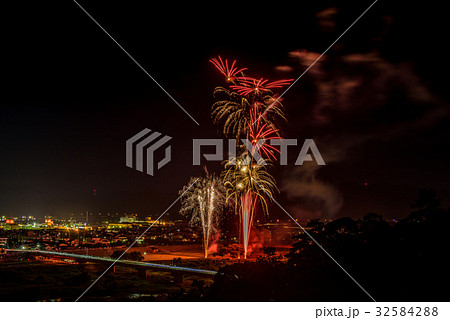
{"x": 228, "y": 71}
{"x": 231, "y": 112}
{"x": 243, "y": 174}
{"x": 247, "y": 85}
{"x": 232, "y": 109}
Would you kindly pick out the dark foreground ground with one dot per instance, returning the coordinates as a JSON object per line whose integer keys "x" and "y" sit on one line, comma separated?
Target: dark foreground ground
{"x": 37, "y": 281}
{"x": 404, "y": 261}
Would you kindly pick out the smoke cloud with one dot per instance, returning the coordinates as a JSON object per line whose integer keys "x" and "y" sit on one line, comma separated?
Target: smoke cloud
{"x": 351, "y": 99}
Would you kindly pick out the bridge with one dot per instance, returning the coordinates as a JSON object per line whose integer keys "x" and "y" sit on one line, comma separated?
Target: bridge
{"x": 141, "y": 266}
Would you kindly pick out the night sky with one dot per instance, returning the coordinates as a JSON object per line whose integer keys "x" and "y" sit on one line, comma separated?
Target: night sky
{"x": 376, "y": 104}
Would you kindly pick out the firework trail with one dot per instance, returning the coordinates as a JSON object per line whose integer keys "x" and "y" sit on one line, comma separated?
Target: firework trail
{"x": 248, "y": 204}
{"x": 204, "y": 203}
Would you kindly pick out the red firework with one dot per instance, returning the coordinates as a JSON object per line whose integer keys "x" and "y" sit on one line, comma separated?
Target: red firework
{"x": 248, "y": 85}
{"x": 227, "y": 71}
{"x": 243, "y": 90}
{"x": 248, "y": 204}
{"x": 264, "y": 132}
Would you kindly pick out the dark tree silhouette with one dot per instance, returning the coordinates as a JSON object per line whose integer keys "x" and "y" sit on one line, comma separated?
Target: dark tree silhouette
{"x": 393, "y": 261}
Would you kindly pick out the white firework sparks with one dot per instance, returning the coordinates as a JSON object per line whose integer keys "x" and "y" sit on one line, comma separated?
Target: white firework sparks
{"x": 204, "y": 204}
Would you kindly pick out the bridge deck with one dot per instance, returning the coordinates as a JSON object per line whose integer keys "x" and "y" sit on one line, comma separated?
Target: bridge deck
{"x": 141, "y": 264}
